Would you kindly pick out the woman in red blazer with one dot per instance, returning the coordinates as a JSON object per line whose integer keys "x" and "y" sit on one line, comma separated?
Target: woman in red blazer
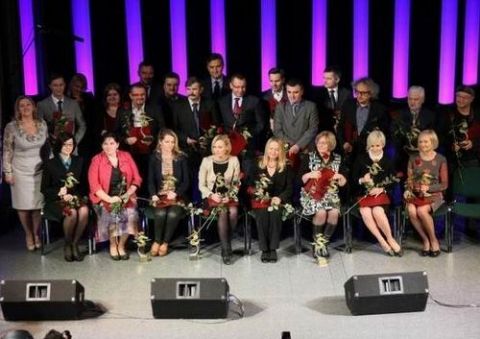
{"x": 113, "y": 178}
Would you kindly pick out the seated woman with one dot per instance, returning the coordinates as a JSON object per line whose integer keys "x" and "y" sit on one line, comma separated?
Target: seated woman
{"x": 168, "y": 182}
{"x": 218, "y": 175}
{"x": 62, "y": 187}
{"x": 322, "y": 176}
{"x": 372, "y": 175}
{"x": 113, "y": 178}
{"x": 427, "y": 179}
{"x": 274, "y": 181}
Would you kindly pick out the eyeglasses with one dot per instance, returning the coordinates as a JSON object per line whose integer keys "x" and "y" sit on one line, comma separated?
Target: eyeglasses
{"x": 366, "y": 93}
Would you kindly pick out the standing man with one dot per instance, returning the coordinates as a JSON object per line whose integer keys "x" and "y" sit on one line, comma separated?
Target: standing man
{"x": 275, "y": 95}
{"x": 359, "y": 117}
{"x": 170, "y": 96}
{"x": 331, "y": 98}
{"x": 216, "y": 85}
{"x": 146, "y": 75}
{"x": 62, "y": 114}
{"x": 296, "y": 121}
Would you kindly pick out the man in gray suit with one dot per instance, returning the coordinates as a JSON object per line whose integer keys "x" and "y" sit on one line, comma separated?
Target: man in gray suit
{"x": 296, "y": 121}
{"x": 62, "y": 114}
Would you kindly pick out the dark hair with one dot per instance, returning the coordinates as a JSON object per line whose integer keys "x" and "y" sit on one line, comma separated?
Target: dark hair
{"x": 215, "y": 56}
{"x": 145, "y": 63}
{"x": 107, "y": 135}
{"x": 137, "y": 85}
{"x": 295, "y": 82}
{"x": 276, "y": 70}
{"x": 116, "y": 87}
{"x": 238, "y": 76}
{"x": 333, "y": 69}
{"x": 193, "y": 80}
{"x": 61, "y": 139}
{"x": 466, "y": 89}
{"x": 80, "y": 77}
{"x": 55, "y": 76}
{"x": 171, "y": 75}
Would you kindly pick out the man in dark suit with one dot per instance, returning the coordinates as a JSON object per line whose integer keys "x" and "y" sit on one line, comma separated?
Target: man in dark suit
{"x": 169, "y": 96}
{"x": 193, "y": 115}
{"x": 139, "y": 127}
{"x": 330, "y": 99}
{"x": 275, "y": 95}
{"x": 240, "y": 111}
{"x": 409, "y": 122}
{"x": 296, "y": 121}
{"x": 146, "y": 76}
{"x": 359, "y": 117}
{"x": 62, "y": 114}
{"x": 216, "y": 85}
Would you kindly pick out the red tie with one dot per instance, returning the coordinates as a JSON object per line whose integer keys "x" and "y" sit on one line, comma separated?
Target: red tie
{"x": 236, "y": 108}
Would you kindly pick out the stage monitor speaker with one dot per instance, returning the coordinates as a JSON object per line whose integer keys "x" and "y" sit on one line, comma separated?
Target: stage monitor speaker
{"x": 387, "y": 293}
{"x": 41, "y": 299}
{"x": 189, "y": 298}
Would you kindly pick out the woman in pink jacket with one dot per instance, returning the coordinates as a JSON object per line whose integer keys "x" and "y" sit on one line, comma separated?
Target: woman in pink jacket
{"x": 113, "y": 178}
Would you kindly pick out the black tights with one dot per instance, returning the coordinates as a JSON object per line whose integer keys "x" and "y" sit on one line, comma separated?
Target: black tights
{"x": 226, "y": 223}
{"x": 166, "y": 221}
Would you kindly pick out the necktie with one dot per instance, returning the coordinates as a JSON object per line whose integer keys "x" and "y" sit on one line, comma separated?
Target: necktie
{"x": 216, "y": 89}
{"x": 59, "y": 104}
{"x": 333, "y": 102}
{"x": 236, "y": 108}
{"x": 195, "y": 116}
{"x": 294, "y": 110}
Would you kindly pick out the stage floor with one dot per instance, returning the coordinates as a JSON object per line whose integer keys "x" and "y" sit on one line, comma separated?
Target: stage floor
{"x": 292, "y": 295}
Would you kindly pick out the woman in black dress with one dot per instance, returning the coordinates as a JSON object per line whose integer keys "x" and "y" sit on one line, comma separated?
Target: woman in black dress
{"x": 63, "y": 186}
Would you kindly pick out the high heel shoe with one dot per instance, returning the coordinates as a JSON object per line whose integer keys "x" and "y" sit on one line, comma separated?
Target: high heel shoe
{"x": 67, "y": 252}
{"x": 399, "y": 253}
{"x": 114, "y": 254}
{"x": 29, "y": 243}
{"x": 435, "y": 254}
{"x": 163, "y": 250}
{"x": 77, "y": 255}
{"x": 155, "y": 249}
{"x": 38, "y": 242}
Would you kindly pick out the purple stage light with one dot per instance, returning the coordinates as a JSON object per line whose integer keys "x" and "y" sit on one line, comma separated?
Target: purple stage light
{"x": 83, "y": 49}
{"x": 319, "y": 40}
{"x": 360, "y": 38}
{"x": 448, "y": 46}
{"x": 269, "y": 39}
{"x": 401, "y": 46}
{"x": 179, "y": 40}
{"x": 217, "y": 28}
{"x": 134, "y": 37}
{"x": 471, "y": 41}
{"x": 27, "y": 28}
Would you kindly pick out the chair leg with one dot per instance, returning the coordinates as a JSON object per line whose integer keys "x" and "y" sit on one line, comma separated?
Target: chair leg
{"x": 449, "y": 230}
{"x": 247, "y": 235}
{"x": 44, "y": 236}
{"x": 347, "y": 233}
{"x": 297, "y": 235}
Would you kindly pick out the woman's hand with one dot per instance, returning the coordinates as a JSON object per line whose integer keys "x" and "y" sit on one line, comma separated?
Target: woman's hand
{"x": 340, "y": 179}
{"x": 424, "y": 188}
{"x": 216, "y": 197}
{"x": 62, "y": 191}
{"x": 9, "y": 179}
{"x": 367, "y": 179}
{"x": 67, "y": 197}
{"x": 171, "y": 195}
{"x": 131, "y": 140}
{"x": 466, "y": 145}
{"x": 315, "y": 174}
{"x": 114, "y": 199}
{"x": 276, "y": 201}
{"x": 155, "y": 198}
{"x": 376, "y": 191}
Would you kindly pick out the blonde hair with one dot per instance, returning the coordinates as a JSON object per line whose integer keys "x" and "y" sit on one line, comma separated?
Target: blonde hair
{"x": 18, "y": 116}
{"x": 375, "y": 136}
{"x": 331, "y": 140}
{"x": 176, "y": 149}
{"x": 226, "y": 141}
{"x": 432, "y": 135}
{"x": 282, "y": 157}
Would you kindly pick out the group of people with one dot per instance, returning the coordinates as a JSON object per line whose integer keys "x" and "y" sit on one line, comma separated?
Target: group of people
{"x": 209, "y": 146}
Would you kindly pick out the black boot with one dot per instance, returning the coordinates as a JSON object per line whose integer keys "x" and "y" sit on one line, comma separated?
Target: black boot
{"x": 76, "y": 253}
{"x": 67, "y": 252}
{"x": 227, "y": 254}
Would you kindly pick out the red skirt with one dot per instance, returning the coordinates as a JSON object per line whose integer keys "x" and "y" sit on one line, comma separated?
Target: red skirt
{"x": 419, "y": 201}
{"x": 211, "y": 203}
{"x": 257, "y": 204}
{"x": 371, "y": 200}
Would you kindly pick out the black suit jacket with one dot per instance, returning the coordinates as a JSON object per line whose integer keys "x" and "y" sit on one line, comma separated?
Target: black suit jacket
{"x": 347, "y": 129}
{"x": 180, "y": 172}
{"x": 53, "y": 174}
{"x": 167, "y": 105}
{"x": 208, "y": 88}
{"x": 326, "y": 111}
{"x": 281, "y": 183}
{"x": 184, "y": 121}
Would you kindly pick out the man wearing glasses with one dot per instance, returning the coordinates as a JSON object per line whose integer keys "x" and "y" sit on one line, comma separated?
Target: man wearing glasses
{"x": 359, "y": 117}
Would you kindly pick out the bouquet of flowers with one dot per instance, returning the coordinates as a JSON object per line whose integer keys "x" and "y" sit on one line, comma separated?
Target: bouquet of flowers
{"x": 382, "y": 199}
{"x": 117, "y": 207}
{"x": 168, "y": 184}
{"x": 239, "y": 140}
{"x": 413, "y": 194}
{"x": 225, "y": 190}
{"x": 76, "y": 202}
{"x": 61, "y": 125}
{"x": 205, "y": 141}
{"x": 261, "y": 197}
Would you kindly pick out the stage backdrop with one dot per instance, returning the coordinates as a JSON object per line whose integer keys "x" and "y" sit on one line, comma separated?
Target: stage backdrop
{"x": 433, "y": 43}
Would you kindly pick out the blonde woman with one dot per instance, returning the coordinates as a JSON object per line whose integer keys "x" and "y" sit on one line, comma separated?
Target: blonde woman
{"x": 272, "y": 168}
{"x": 427, "y": 179}
{"x": 322, "y": 176}
{"x": 22, "y": 166}
{"x": 218, "y": 172}
{"x": 372, "y": 178}
{"x": 168, "y": 182}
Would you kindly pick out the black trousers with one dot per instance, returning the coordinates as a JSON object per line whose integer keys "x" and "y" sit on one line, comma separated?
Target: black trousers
{"x": 269, "y": 227}
{"x": 166, "y": 222}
